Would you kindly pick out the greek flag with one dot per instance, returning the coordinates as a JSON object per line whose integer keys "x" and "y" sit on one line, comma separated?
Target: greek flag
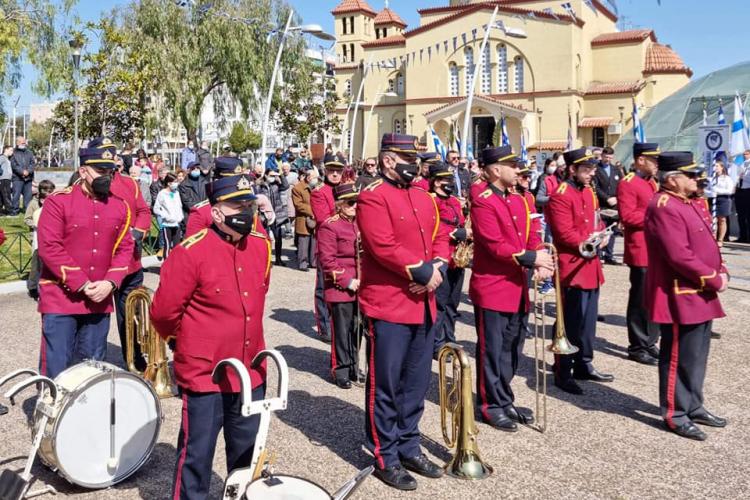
{"x": 638, "y": 132}
{"x": 439, "y": 147}
{"x": 722, "y": 118}
{"x": 504, "y": 132}
{"x": 569, "y": 9}
{"x": 524, "y": 151}
{"x": 740, "y": 140}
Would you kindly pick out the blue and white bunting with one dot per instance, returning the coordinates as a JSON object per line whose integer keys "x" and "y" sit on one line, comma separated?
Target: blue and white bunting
{"x": 638, "y": 133}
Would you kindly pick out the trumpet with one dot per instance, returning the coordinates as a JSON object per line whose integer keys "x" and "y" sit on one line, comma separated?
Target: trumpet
{"x": 464, "y": 252}
{"x": 456, "y": 398}
{"x": 138, "y": 328}
{"x": 560, "y": 344}
{"x": 587, "y": 249}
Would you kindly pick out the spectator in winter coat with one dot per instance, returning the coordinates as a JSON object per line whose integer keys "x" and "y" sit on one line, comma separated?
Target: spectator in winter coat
{"x": 205, "y": 158}
{"x": 273, "y": 186}
{"x": 193, "y": 188}
{"x": 22, "y": 164}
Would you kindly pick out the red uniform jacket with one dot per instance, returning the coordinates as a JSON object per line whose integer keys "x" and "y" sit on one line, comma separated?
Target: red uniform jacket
{"x": 337, "y": 253}
{"x": 476, "y": 189}
{"x": 321, "y": 201}
{"x": 536, "y": 222}
{"x": 572, "y": 217}
{"x": 2, "y": 236}
{"x": 452, "y": 222}
{"x": 81, "y": 239}
{"x": 684, "y": 263}
{"x": 211, "y": 298}
{"x": 127, "y": 189}
{"x": 504, "y": 248}
{"x": 400, "y": 240}
{"x": 704, "y": 209}
{"x": 421, "y": 183}
{"x": 200, "y": 219}
{"x": 633, "y": 196}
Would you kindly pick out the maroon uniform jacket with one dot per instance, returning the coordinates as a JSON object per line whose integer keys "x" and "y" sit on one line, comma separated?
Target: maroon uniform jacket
{"x": 572, "y": 217}
{"x": 452, "y": 222}
{"x": 421, "y": 183}
{"x": 633, "y": 196}
{"x": 701, "y": 204}
{"x": 476, "y": 189}
{"x": 81, "y": 239}
{"x": 536, "y": 222}
{"x": 684, "y": 263}
{"x": 337, "y": 253}
{"x": 200, "y": 219}
{"x": 504, "y": 248}
{"x": 321, "y": 201}
{"x": 400, "y": 240}
{"x": 211, "y": 298}
{"x": 127, "y": 189}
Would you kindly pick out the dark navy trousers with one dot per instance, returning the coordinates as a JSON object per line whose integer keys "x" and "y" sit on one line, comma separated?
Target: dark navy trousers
{"x": 499, "y": 346}
{"x": 448, "y": 298}
{"x": 642, "y": 334}
{"x": 581, "y": 308}
{"x": 204, "y": 414}
{"x": 345, "y": 331}
{"x": 400, "y": 363}
{"x": 70, "y": 338}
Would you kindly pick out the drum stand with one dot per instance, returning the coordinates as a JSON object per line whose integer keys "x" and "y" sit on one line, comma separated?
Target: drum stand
{"x": 14, "y": 486}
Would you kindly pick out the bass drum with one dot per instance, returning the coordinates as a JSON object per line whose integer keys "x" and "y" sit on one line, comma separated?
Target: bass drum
{"x": 281, "y": 487}
{"x": 77, "y": 440}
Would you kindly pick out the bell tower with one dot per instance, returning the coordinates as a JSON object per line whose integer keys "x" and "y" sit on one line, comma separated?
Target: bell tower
{"x": 354, "y": 21}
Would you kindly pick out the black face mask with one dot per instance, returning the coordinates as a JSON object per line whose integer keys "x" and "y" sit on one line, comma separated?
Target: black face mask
{"x": 242, "y": 222}
{"x": 100, "y": 186}
{"x": 407, "y": 172}
{"x": 449, "y": 188}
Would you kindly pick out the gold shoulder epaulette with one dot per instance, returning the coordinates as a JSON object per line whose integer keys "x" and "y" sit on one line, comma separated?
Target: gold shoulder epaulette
{"x": 486, "y": 193}
{"x": 67, "y": 190}
{"x": 258, "y": 235}
{"x": 192, "y": 240}
{"x": 333, "y": 218}
{"x": 373, "y": 185}
{"x": 201, "y": 204}
{"x": 562, "y": 188}
{"x": 663, "y": 199}
{"x": 434, "y": 195}
{"x": 629, "y": 177}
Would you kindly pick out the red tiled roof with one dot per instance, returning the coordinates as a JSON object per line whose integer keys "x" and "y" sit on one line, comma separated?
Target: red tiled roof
{"x": 623, "y": 37}
{"x": 436, "y": 10}
{"x": 347, "y": 6}
{"x": 662, "y": 59}
{"x": 595, "y": 122}
{"x": 615, "y": 87}
{"x": 389, "y": 40}
{"x": 550, "y": 146}
{"x": 387, "y": 16}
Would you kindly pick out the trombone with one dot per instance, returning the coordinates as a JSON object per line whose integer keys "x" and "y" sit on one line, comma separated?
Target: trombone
{"x": 560, "y": 344}
{"x": 138, "y": 328}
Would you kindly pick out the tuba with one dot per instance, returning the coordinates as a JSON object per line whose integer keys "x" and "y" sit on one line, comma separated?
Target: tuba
{"x": 138, "y": 328}
{"x": 461, "y": 432}
{"x": 464, "y": 252}
{"x": 560, "y": 344}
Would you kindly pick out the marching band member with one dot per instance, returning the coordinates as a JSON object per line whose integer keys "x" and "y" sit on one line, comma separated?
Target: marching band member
{"x": 633, "y": 196}
{"x": 403, "y": 253}
{"x": 504, "y": 250}
{"x": 522, "y": 188}
{"x": 337, "y": 252}
{"x": 452, "y": 222}
{"x": 211, "y": 298}
{"x": 323, "y": 207}
{"x": 86, "y": 248}
{"x": 685, "y": 275}
{"x": 422, "y": 180}
{"x": 573, "y": 218}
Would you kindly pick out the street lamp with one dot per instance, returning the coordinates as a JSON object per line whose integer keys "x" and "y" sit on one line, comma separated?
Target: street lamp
{"x": 378, "y": 97}
{"x": 312, "y": 29}
{"x": 76, "y": 44}
{"x": 358, "y": 101}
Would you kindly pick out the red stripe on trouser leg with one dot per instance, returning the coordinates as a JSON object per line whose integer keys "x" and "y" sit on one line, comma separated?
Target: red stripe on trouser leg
{"x": 672, "y": 377}
{"x": 480, "y": 360}
{"x": 43, "y": 353}
{"x": 333, "y": 342}
{"x": 183, "y": 455}
{"x": 371, "y": 405}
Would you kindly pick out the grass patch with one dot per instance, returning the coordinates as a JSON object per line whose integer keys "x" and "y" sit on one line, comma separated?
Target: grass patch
{"x": 15, "y": 253}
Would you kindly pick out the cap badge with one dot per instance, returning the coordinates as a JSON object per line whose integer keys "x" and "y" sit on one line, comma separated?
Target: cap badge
{"x": 243, "y": 184}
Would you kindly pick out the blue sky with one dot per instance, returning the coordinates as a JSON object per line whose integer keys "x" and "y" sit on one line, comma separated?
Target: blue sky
{"x": 701, "y": 32}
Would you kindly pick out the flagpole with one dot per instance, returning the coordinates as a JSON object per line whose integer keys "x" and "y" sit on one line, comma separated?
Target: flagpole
{"x": 470, "y": 97}
{"x": 365, "y": 71}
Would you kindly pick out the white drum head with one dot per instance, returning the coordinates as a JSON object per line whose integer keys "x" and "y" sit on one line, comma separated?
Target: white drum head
{"x": 280, "y": 487}
{"x": 82, "y": 438}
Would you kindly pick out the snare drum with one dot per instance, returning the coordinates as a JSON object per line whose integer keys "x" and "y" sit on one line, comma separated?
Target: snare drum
{"x": 281, "y": 487}
{"x": 78, "y": 437}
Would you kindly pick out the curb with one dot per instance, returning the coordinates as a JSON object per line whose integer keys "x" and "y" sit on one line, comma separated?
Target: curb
{"x": 20, "y": 285}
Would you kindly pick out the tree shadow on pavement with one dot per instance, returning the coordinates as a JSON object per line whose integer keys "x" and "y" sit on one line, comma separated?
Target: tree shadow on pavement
{"x": 301, "y": 320}
{"x": 606, "y": 347}
{"x": 307, "y": 359}
{"x": 615, "y": 320}
{"x": 329, "y": 422}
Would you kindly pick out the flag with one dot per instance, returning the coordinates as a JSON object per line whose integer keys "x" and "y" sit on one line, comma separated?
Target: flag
{"x": 457, "y": 137}
{"x": 722, "y": 118}
{"x": 524, "y": 151}
{"x": 569, "y": 9}
{"x": 439, "y": 147}
{"x": 705, "y": 114}
{"x": 591, "y": 5}
{"x": 569, "y": 143}
{"x": 638, "y": 132}
{"x": 740, "y": 141}
{"x": 549, "y": 12}
{"x": 504, "y": 132}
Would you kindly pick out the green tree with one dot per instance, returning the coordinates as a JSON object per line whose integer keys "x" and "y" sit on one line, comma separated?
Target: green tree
{"x": 39, "y": 135}
{"x": 307, "y": 107}
{"x": 243, "y": 139}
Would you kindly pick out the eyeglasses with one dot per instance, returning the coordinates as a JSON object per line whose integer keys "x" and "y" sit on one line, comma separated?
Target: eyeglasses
{"x": 369, "y": 164}
{"x": 351, "y": 203}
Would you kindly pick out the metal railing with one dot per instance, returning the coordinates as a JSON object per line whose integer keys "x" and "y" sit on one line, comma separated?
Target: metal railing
{"x": 15, "y": 256}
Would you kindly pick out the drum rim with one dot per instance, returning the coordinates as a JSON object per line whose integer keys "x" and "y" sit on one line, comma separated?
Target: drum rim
{"x": 69, "y": 395}
{"x": 293, "y": 477}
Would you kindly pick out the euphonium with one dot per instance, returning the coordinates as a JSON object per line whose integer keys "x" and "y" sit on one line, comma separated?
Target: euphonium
{"x": 138, "y": 329}
{"x": 462, "y": 431}
{"x": 464, "y": 252}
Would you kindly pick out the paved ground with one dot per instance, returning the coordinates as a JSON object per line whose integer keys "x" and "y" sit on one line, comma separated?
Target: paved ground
{"x": 608, "y": 443}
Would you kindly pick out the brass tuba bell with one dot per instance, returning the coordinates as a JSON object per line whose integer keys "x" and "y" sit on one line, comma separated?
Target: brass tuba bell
{"x": 138, "y": 328}
{"x": 461, "y": 432}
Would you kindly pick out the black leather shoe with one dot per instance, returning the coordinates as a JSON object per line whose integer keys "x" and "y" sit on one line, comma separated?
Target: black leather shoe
{"x": 690, "y": 431}
{"x": 715, "y": 335}
{"x": 326, "y": 338}
{"x": 654, "y": 351}
{"x": 612, "y": 262}
{"x": 423, "y": 466}
{"x": 643, "y": 357}
{"x": 709, "y": 419}
{"x": 3, "y": 409}
{"x": 359, "y": 379}
{"x": 520, "y": 415}
{"x": 595, "y": 375}
{"x": 279, "y": 263}
{"x": 569, "y": 386}
{"x": 502, "y": 422}
{"x": 343, "y": 384}
{"x": 396, "y": 477}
